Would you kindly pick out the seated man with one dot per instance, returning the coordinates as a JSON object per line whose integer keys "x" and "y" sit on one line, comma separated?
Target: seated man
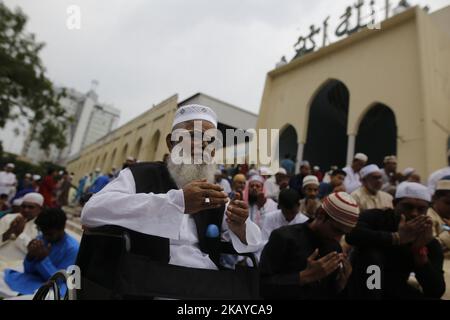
{"x": 49, "y": 253}
{"x": 176, "y": 204}
{"x": 398, "y": 241}
{"x": 305, "y": 261}
{"x": 17, "y": 230}
{"x": 370, "y": 195}
{"x": 310, "y": 203}
{"x": 440, "y": 213}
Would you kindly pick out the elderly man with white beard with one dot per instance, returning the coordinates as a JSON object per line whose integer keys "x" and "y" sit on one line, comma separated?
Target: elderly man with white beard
{"x": 177, "y": 202}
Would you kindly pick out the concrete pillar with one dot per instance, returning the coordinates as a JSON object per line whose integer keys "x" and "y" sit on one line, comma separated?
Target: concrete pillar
{"x": 351, "y": 148}
{"x": 299, "y": 157}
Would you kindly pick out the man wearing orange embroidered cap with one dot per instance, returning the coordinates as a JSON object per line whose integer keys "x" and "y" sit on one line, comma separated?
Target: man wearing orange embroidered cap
{"x": 398, "y": 242}
{"x": 305, "y": 261}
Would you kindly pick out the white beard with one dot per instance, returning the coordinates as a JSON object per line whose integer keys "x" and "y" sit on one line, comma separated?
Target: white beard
{"x": 183, "y": 174}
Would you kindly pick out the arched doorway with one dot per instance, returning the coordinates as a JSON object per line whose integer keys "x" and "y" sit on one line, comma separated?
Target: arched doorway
{"x": 112, "y": 163}
{"x": 377, "y": 134}
{"x": 326, "y": 141}
{"x": 153, "y": 147}
{"x": 124, "y": 155}
{"x": 137, "y": 149}
{"x": 288, "y": 144}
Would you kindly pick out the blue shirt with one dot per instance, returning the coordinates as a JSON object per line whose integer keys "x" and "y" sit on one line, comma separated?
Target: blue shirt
{"x": 62, "y": 255}
{"x": 99, "y": 184}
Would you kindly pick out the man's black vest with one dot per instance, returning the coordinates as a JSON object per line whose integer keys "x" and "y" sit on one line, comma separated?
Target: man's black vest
{"x": 154, "y": 177}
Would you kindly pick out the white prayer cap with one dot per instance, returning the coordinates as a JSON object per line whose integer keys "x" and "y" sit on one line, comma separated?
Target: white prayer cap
{"x": 310, "y": 180}
{"x": 97, "y": 170}
{"x": 256, "y": 178}
{"x": 316, "y": 168}
{"x": 264, "y": 171}
{"x": 252, "y": 172}
{"x": 361, "y": 156}
{"x": 408, "y": 171}
{"x": 281, "y": 171}
{"x": 443, "y": 185}
{"x": 17, "y": 202}
{"x": 194, "y": 112}
{"x": 36, "y": 177}
{"x": 28, "y": 175}
{"x": 218, "y": 172}
{"x": 371, "y": 168}
{"x": 412, "y": 190}
{"x": 35, "y": 198}
{"x": 10, "y": 165}
{"x": 131, "y": 158}
{"x": 390, "y": 159}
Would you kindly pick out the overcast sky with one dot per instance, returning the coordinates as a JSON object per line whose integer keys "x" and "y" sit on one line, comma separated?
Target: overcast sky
{"x": 143, "y": 51}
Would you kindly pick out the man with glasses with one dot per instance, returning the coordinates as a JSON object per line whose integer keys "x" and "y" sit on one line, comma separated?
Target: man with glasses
{"x": 17, "y": 230}
{"x": 391, "y": 244}
{"x": 369, "y": 195}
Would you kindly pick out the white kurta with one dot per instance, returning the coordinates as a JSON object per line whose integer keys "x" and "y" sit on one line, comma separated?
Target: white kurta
{"x": 12, "y": 252}
{"x": 159, "y": 215}
{"x": 352, "y": 180}
{"x": 7, "y": 183}
{"x": 274, "y": 220}
{"x": 257, "y": 215}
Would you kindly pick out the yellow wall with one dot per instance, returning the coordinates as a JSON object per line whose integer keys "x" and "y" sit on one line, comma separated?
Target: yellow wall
{"x": 386, "y": 66}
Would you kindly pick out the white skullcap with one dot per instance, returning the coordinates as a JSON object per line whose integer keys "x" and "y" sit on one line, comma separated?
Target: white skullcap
{"x": 371, "y": 168}
{"x": 194, "y": 112}
{"x": 281, "y": 171}
{"x": 253, "y": 172}
{"x": 35, "y": 198}
{"x": 17, "y": 202}
{"x": 217, "y": 172}
{"x": 130, "y": 158}
{"x": 443, "y": 185}
{"x": 342, "y": 208}
{"x": 264, "y": 171}
{"x": 37, "y": 177}
{"x": 390, "y": 159}
{"x": 310, "y": 180}
{"x": 256, "y": 178}
{"x": 361, "y": 156}
{"x": 408, "y": 171}
{"x": 316, "y": 168}
{"x": 10, "y": 165}
{"x": 27, "y": 175}
{"x": 412, "y": 190}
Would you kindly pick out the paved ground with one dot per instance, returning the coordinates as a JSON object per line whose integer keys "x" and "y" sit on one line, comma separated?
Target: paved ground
{"x": 74, "y": 228}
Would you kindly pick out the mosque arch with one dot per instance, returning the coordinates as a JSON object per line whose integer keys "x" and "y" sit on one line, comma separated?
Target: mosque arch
{"x": 326, "y": 138}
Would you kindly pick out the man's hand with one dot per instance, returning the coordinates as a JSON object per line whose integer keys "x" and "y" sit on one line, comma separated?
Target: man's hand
{"x": 409, "y": 231}
{"x": 37, "y": 250}
{"x": 236, "y": 215}
{"x": 344, "y": 272}
{"x": 16, "y": 228}
{"x": 425, "y": 236}
{"x": 261, "y": 200}
{"x": 319, "y": 269}
{"x": 197, "y": 191}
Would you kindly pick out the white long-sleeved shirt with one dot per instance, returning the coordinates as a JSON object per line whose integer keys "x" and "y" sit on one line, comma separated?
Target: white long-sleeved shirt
{"x": 7, "y": 183}
{"x": 159, "y": 215}
{"x": 352, "y": 180}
